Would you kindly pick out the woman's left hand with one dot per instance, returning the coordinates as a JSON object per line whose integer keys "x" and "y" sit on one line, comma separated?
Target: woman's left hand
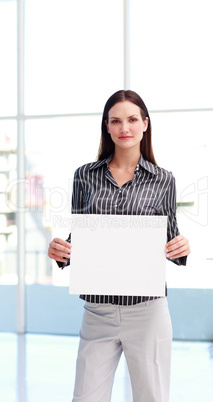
{"x": 177, "y": 247}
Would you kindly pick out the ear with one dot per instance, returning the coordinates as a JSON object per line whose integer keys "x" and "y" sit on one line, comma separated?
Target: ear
{"x": 146, "y": 123}
{"x": 107, "y": 126}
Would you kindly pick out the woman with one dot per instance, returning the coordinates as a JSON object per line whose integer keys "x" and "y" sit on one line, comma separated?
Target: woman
{"x": 125, "y": 180}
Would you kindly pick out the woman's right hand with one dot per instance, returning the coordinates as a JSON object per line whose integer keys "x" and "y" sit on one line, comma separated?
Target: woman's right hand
{"x": 59, "y": 250}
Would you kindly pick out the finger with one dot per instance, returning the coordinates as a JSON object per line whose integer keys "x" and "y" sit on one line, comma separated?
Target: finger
{"x": 64, "y": 247}
{"x": 178, "y": 241}
{"x": 175, "y": 240}
{"x": 58, "y": 253}
{"x": 179, "y": 255}
{"x": 178, "y": 252}
{"x": 175, "y": 246}
{"x": 61, "y": 243}
{"x": 57, "y": 258}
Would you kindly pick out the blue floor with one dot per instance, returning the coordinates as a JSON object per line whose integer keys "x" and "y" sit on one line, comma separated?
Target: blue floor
{"x": 41, "y": 368}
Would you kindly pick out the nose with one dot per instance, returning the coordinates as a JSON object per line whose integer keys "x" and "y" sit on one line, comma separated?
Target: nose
{"x": 124, "y": 128}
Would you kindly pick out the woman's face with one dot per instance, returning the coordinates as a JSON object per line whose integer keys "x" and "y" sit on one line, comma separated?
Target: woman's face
{"x": 125, "y": 125}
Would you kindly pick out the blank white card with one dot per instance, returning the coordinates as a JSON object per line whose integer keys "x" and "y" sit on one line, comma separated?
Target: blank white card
{"x": 118, "y": 255}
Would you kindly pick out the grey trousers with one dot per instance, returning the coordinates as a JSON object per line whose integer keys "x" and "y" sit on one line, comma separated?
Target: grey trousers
{"x": 143, "y": 332}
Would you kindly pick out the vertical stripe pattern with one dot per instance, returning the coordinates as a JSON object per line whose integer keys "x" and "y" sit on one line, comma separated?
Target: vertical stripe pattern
{"x": 150, "y": 192}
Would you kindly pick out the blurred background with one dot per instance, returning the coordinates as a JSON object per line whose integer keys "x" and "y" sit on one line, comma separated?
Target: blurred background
{"x": 59, "y": 63}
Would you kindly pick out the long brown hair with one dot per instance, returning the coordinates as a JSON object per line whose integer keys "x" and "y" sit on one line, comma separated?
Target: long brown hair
{"x": 106, "y": 147}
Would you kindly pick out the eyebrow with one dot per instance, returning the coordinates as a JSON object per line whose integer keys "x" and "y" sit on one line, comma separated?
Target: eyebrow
{"x": 133, "y": 115}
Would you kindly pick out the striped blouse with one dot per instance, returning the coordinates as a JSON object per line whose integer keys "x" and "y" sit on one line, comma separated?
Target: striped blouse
{"x": 150, "y": 192}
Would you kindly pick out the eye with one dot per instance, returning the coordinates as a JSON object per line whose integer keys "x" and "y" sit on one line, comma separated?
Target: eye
{"x": 133, "y": 119}
{"x": 115, "y": 121}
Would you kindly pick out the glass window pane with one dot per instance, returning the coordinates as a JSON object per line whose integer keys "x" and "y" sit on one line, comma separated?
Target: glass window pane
{"x": 54, "y": 149}
{"x": 8, "y": 234}
{"x": 8, "y": 231}
{"x": 74, "y": 61}
{"x": 171, "y": 60}
{"x": 8, "y": 65}
{"x": 183, "y": 144}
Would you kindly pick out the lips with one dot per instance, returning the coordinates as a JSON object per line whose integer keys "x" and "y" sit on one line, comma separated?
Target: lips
{"x": 127, "y": 137}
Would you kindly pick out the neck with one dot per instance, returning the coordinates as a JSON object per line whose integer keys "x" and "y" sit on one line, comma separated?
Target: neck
{"x": 125, "y": 158}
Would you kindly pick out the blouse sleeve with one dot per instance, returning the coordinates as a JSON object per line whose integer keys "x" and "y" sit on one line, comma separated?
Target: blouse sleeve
{"x": 169, "y": 208}
{"x": 76, "y": 208}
